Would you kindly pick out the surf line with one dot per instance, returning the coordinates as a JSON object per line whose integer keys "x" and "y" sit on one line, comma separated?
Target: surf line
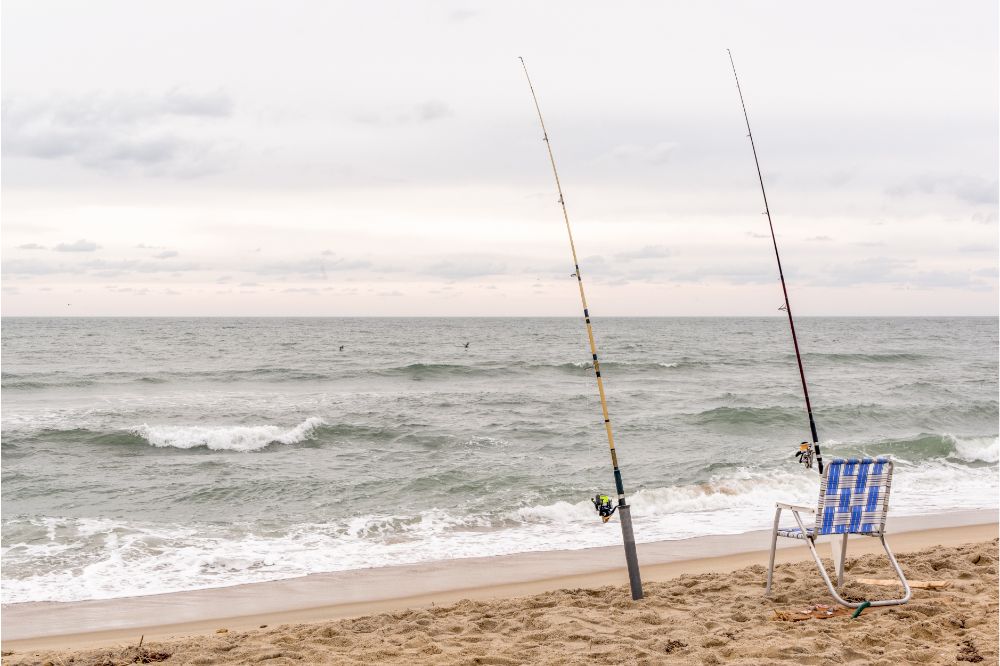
{"x": 603, "y": 505}
{"x": 806, "y": 449}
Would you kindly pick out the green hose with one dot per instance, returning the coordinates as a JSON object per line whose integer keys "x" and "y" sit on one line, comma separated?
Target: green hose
{"x": 861, "y": 608}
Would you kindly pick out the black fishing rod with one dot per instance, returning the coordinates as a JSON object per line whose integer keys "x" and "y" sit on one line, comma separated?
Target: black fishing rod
{"x": 805, "y": 454}
{"x": 601, "y": 502}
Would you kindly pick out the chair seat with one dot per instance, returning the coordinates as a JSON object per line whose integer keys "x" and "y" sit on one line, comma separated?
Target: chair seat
{"x": 795, "y": 532}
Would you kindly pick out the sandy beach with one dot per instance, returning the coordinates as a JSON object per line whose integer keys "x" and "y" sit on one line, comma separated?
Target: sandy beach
{"x": 706, "y": 610}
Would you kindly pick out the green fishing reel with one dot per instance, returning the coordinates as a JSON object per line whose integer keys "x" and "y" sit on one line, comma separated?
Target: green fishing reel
{"x": 604, "y": 507}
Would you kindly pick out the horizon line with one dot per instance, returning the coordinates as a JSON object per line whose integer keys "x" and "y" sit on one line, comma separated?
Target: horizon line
{"x": 782, "y": 317}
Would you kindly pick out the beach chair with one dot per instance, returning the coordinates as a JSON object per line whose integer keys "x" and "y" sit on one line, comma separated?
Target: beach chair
{"x": 853, "y": 499}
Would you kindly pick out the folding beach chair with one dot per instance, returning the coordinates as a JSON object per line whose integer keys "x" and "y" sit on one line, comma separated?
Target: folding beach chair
{"x": 853, "y": 499}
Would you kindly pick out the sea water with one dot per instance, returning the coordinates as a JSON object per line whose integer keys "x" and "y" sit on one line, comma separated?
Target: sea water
{"x": 150, "y": 455}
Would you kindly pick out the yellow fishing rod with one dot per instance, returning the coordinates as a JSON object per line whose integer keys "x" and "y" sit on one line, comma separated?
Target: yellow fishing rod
{"x": 601, "y": 502}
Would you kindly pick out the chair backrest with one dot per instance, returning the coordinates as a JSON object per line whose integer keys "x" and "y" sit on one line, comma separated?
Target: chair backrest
{"x": 854, "y": 496}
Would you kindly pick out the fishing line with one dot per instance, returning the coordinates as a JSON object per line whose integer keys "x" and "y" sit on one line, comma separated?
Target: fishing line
{"x": 600, "y": 501}
{"x": 805, "y": 451}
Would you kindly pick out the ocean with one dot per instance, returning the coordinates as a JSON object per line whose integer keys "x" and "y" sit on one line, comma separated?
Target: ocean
{"x": 142, "y": 456}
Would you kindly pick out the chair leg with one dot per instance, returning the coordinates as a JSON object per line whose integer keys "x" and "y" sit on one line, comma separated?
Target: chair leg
{"x": 840, "y": 563}
{"x": 774, "y": 546}
{"x": 826, "y": 577}
{"x": 899, "y": 573}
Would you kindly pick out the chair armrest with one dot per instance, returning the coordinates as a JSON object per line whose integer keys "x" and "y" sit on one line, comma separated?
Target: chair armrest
{"x": 795, "y": 507}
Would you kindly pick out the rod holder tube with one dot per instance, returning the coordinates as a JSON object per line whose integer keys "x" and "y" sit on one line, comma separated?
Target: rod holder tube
{"x": 631, "y": 558}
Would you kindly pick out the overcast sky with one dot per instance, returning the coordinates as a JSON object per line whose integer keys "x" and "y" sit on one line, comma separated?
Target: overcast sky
{"x": 322, "y": 158}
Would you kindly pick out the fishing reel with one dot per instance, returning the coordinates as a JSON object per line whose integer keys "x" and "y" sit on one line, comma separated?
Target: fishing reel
{"x": 806, "y": 454}
{"x": 604, "y": 507}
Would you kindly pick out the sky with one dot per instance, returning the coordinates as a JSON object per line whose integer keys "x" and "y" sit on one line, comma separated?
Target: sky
{"x": 356, "y": 158}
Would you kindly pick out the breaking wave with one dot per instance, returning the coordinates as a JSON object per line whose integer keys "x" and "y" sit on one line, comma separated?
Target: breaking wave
{"x": 924, "y": 447}
{"x": 226, "y": 438}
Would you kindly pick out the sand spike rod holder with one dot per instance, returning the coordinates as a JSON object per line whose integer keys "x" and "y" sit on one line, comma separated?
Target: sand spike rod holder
{"x": 624, "y": 513}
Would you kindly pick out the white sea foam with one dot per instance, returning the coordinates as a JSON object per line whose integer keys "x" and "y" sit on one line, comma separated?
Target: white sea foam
{"x": 976, "y": 449}
{"x": 100, "y": 558}
{"x": 226, "y": 438}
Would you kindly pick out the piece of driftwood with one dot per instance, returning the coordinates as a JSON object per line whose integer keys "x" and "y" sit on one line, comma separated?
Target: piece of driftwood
{"x": 915, "y": 584}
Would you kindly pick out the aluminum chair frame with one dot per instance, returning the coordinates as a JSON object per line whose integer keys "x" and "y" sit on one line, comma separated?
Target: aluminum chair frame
{"x": 874, "y": 529}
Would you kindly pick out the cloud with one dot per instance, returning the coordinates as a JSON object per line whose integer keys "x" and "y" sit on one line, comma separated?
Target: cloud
{"x": 140, "y": 266}
{"x": 658, "y": 153}
{"x": 95, "y": 267}
{"x": 113, "y": 132}
{"x": 313, "y": 267}
{"x": 947, "y": 279}
{"x": 647, "y": 252}
{"x": 906, "y": 274}
{"x": 970, "y": 189}
{"x": 166, "y": 254}
{"x": 77, "y": 246}
{"x": 432, "y": 110}
{"x": 210, "y": 105}
{"x": 730, "y": 273}
{"x": 841, "y": 178}
{"x": 31, "y": 246}
{"x": 423, "y": 112}
{"x": 873, "y": 270}
{"x": 465, "y": 268}
{"x": 144, "y": 151}
{"x": 30, "y": 267}
{"x": 460, "y": 15}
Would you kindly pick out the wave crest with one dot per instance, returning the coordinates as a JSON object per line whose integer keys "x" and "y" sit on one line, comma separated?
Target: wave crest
{"x": 924, "y": 447}
{"x": 976, "y": 449}
{"x": 226, "y": 438}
